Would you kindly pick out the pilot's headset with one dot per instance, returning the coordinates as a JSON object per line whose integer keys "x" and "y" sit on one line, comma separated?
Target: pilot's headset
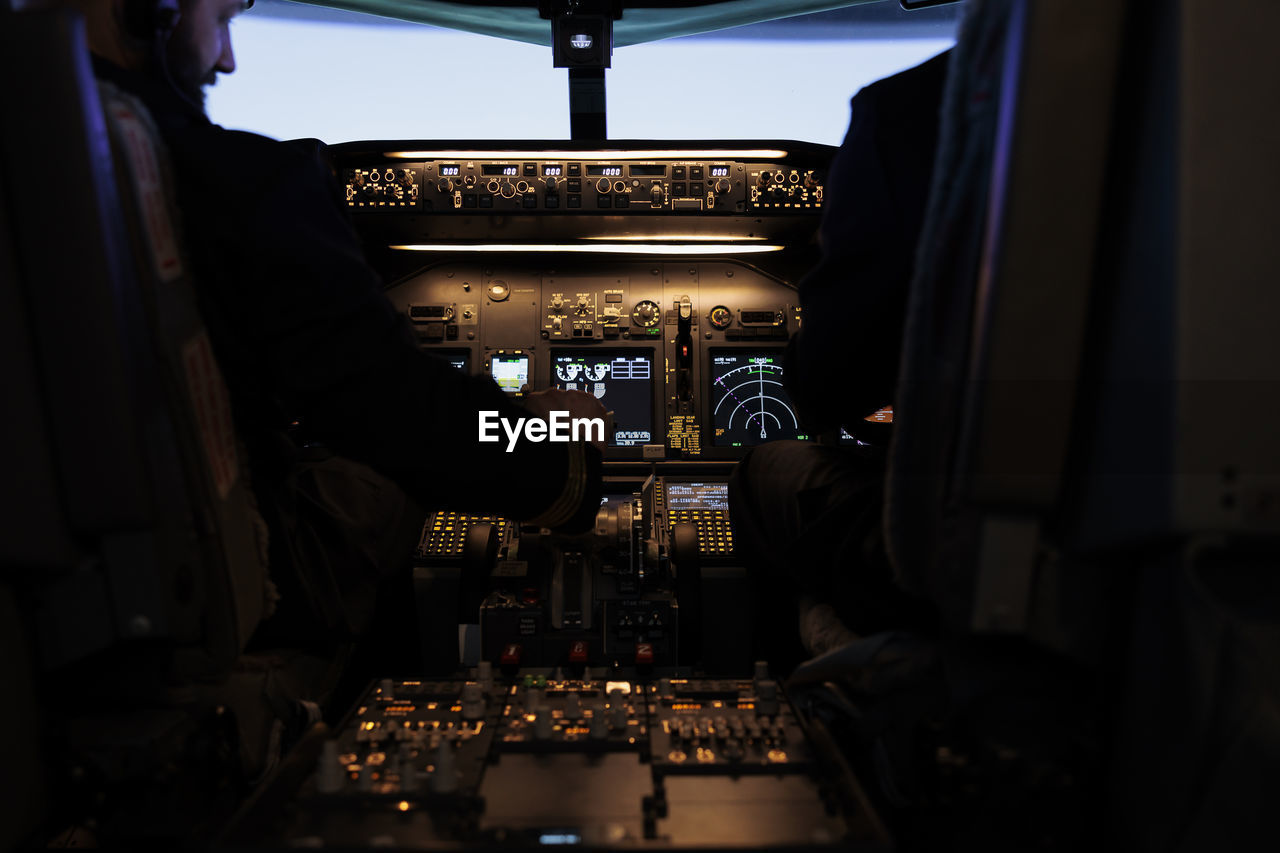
{"x": 151, "y": 20}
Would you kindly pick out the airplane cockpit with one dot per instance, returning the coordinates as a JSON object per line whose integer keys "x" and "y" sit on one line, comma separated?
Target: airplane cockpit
{"x": 1075, "y": 480}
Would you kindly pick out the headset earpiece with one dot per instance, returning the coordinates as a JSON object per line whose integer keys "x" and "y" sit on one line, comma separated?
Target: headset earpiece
{"x": 147, "y": 19}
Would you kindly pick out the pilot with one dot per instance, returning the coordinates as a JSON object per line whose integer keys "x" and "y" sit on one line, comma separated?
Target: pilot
{"x": 332, "y": 395}
{"x": 816, "y": 510}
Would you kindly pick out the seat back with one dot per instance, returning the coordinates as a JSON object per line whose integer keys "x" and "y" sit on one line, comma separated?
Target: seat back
{"x": 130, "y": 518}
{"x": 1084, "y": 474}
{"x": 132, "y": 558}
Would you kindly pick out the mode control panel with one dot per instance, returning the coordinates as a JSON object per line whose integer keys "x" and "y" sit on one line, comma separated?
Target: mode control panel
{"x": 579, "y": 185}
{"x": 781, "y": 189}
{"x": 389, "y": 186}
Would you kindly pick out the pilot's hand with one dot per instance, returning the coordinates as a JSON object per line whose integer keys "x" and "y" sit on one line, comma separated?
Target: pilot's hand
{"x": 577, "y": 403}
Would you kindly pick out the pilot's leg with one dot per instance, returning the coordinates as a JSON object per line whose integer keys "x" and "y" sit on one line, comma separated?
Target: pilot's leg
{"x": 806, "y": 519}
{"x": 343, "y": 531}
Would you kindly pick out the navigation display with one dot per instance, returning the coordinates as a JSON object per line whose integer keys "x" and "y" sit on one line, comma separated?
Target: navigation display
{"x": 749, "y": 404}
{"x": 511, "y": 372}
{"x": 621, "y": 379}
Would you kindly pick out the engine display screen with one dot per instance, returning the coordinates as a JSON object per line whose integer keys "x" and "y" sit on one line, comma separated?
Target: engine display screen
{"x": 623, "y": 382}
{"x": 696, "y": 495}
{"x": 749, "y": 404}
{"x": 511, "y": 372}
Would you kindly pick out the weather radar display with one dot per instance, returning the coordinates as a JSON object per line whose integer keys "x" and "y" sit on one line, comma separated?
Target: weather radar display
{"x": 621, "y": 380}
{"x": 750, "y": 405}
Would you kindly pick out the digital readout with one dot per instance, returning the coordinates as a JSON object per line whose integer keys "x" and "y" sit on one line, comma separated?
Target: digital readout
{"x": 719, "y": 171}
{"x": 450, "y": 169}
{"x": 605, "y": 171}
{"x": 648, "y": 171}
{"x": 552, "y": 171}
{"x": 499, "y": 169}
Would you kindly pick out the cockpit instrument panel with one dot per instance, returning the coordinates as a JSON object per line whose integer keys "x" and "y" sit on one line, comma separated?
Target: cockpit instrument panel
{"x": 659, "y": 277}
{"x": 687, "y": 355}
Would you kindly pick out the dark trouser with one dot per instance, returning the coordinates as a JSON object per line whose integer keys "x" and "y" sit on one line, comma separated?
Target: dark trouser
{"x": 806, "y": 521}
{"x": 340, "y": 533}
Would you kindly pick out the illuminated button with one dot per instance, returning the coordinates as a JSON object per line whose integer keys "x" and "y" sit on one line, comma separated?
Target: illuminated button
{"x": 575, "y": 169}
{"x": 677, "y": 172}
{"x": 511, "y": 654}
{"x": 578, "y": 651}
{"x": 530, "y": 169}
{"x": 695, "y": 173}
{"x": 644, "y": 654}
{"x": 679, "y": 189}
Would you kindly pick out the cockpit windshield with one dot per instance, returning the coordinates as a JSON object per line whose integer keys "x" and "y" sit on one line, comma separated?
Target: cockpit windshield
{"x": 338, "y": 75}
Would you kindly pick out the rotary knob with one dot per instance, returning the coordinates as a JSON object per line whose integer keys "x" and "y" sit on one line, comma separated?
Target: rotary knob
{"x": 445, "y": 186}
{"x": 722, "y": 186}
{"x": 581, "y": 307}
{"x": 602, "y": 185}
{"x": 720, "y": 317}
{"x": 645, "y": 314}
{"x": 507, "y": 189}
{"x": 557, "y": 302}
{"x": 551, "y": 185}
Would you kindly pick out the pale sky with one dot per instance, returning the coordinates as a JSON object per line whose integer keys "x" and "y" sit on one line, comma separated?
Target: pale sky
{"x": 340, "y": 83}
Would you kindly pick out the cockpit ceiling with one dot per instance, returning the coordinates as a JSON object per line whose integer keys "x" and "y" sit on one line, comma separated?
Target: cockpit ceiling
{"x": 641, "y": 21}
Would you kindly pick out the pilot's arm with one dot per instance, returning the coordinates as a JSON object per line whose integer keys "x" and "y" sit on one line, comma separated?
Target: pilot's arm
{"x": 298, "y": 315}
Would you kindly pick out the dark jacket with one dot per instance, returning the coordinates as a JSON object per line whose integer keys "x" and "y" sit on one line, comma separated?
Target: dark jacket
{"x": 303, "y": 332}
{"x": 843, "y": 364}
